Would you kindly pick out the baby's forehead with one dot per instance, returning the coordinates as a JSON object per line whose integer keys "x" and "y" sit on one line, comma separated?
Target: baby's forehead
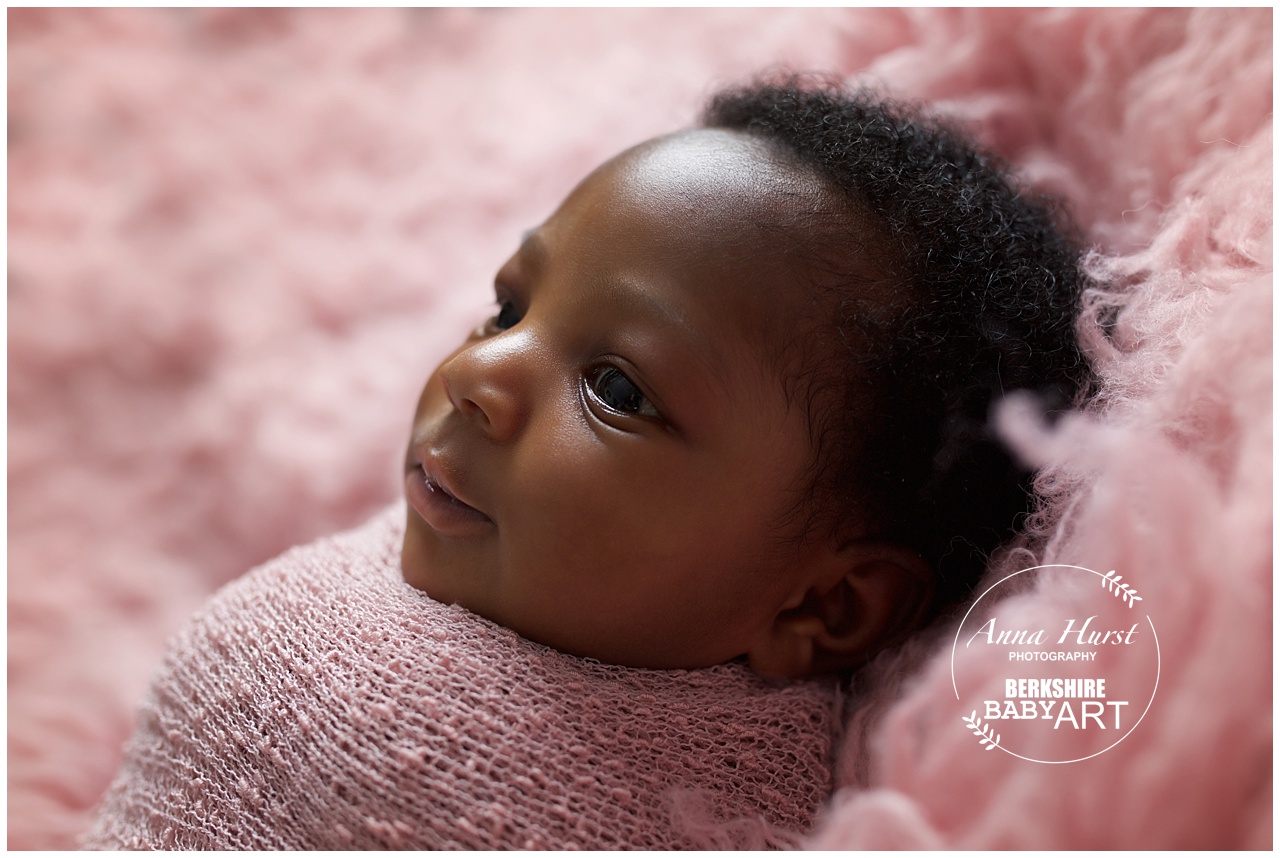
{"x": 720, "y": 211}
{"x": 723, "y": 229}
{"x": 732, "y": 199}
{"x": 724, "y": 180}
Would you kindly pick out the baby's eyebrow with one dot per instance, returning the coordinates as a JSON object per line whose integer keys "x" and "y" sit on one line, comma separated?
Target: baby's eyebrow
{"x": 633, "y": 299}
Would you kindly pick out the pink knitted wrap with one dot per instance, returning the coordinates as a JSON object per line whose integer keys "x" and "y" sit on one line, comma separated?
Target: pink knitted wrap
{"x": 321, "y": 703}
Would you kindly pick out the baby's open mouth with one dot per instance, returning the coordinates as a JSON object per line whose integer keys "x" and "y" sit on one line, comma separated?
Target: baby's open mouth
{"x": 440, "y": 508}
{"x": 440, "y": 490}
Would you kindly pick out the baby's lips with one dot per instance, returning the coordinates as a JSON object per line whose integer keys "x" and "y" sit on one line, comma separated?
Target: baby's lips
{"x": 441, "y": 477}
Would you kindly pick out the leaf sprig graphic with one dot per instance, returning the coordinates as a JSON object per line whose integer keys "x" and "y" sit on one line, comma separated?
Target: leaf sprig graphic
{"x": 1114, "y": 584}
{"x": 984, "y": 734}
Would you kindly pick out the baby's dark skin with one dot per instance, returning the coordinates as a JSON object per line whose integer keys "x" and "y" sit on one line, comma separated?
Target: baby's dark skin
{"x": 612, "y": 464}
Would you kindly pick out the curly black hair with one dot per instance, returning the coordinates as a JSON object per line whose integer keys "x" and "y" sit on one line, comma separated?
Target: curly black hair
{"x": 984, "y": 285}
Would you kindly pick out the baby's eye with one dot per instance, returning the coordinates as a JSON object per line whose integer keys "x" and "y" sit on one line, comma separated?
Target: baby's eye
{"x": 619, "y": 393}
{"x": 508, "y": 316}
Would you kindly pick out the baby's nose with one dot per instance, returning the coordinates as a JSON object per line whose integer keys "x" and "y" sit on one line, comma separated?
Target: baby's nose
{"x": 490, "y": 382}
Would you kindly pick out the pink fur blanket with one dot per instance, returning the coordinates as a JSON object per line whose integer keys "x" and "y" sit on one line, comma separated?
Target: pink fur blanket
{"x": 322, "y": 703}
{"x": 240, "y": 239}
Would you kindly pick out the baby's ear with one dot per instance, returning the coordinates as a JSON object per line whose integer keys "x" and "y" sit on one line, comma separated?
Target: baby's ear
{"x": 867, "y": 595}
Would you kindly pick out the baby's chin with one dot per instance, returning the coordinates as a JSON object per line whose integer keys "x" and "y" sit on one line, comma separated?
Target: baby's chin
{"x": 413, "y": 566}
{"x": 416, "y": 569}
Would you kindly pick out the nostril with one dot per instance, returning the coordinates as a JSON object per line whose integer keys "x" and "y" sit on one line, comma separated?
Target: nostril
{"x": 472, "y": 409}
{"x": 463, "y": 403}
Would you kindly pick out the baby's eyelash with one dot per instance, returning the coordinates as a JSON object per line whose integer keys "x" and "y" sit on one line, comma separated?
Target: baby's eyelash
{"x": 509, "y": 312}
{"x": 508, "y": 316}
{"x": 612, "y": 388}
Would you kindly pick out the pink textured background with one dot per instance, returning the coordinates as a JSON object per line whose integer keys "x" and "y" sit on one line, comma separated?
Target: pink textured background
{"x": 240, "y": 239}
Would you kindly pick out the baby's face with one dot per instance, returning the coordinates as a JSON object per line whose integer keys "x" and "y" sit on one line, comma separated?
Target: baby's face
{"x": 607, "y": 464}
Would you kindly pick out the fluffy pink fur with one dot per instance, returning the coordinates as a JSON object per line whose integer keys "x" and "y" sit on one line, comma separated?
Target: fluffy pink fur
{"x": 240, "y": 239}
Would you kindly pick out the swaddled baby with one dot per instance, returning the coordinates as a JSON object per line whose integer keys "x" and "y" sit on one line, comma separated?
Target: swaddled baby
{"x": 726, "y": 428}
{"x": 321, "y": 703}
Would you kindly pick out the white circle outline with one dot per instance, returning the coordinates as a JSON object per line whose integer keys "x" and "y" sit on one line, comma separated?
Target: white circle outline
{"x": 960, "y": 628}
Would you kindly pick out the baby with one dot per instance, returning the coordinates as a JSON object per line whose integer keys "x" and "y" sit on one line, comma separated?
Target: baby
{"x": 734, "y": 399}
{"x": 728, "y": 424}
